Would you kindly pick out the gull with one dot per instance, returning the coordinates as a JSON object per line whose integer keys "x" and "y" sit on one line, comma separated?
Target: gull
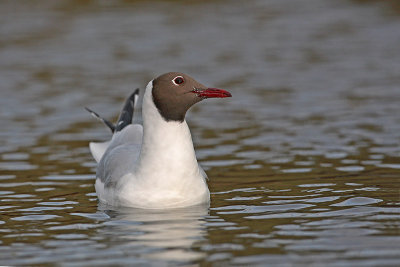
{"x": 154, "y": 166}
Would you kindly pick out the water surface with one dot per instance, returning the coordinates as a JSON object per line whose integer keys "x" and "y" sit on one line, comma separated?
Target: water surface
{"x": 303, "y": 161}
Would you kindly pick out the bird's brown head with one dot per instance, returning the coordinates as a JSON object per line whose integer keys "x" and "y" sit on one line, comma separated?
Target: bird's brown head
{"x": 174, "y": 93}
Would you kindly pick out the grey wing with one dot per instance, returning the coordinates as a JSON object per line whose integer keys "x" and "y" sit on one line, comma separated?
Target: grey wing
{"x": 124, "y": 131}
{"x": 116, "y": 163}
{"x": 121, "y": 155}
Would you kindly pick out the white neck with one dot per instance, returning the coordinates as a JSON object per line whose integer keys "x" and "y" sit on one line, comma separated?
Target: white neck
{"x": 167, "y": 153}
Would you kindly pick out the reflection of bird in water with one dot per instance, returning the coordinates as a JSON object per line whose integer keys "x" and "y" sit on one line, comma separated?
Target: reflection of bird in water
{"x": 158, "y": 234}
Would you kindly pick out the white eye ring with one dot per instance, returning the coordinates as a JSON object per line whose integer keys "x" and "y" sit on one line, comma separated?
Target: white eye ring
{"x": 178, "y": 80}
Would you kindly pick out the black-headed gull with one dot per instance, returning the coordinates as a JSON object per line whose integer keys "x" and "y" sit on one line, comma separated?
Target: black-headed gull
{"x": 154, "y": 165}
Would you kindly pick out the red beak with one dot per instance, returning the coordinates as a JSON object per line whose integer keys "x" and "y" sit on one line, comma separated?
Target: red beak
{"x": 212, "y": 93}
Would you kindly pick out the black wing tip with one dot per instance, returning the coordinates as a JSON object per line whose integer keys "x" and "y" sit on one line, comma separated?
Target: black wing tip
{"x": 126, "y": 115}
{"x": 91, "y": 111}
{"x": 109, "y": 124}
{"x": 134, "y": 96}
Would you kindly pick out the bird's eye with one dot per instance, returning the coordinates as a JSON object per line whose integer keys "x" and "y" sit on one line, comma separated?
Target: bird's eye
{"x": 178, "y": 80}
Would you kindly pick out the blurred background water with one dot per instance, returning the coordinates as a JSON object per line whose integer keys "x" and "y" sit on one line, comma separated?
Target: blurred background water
{"x": 303, "y": 161}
